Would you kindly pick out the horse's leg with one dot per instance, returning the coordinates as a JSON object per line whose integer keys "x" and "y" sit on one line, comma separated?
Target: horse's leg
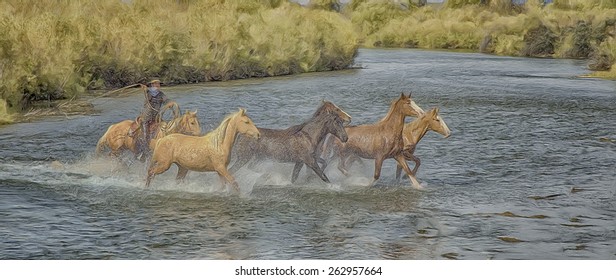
{"x": 417, "y": 163}
{"x": 402, "y": 162}
{"x": 378, "y": 164}
{"x": 322, "y": 163}
{"x": 398, "y": 172}
{"x": 296, "y": 169}
{"x": 181, "y": 174}
{"x": 151, "y": 174}
{"x": 227, "y": 178}
{"x": 324, "y": 150}
{"x": 315, "y": 167}
{"x": 342, "y": 160}
{"x": 154, "y": 169}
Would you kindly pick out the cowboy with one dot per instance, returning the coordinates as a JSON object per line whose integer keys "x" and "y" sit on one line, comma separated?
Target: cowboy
{"x": 154, "y": 100}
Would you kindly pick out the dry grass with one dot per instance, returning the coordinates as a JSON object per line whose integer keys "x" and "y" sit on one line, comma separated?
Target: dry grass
{"x": 565, "y": 29}
{"x": 58, "y": 49}
{"x": 5, "y": 116}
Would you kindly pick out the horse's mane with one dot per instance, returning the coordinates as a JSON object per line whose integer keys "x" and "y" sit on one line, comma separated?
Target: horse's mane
{"x": 297, "y": 128}
{"x": 183, "y": 119}
{"x": 392, "y": 107}
{"x": 219, "y": 133}
{"x": 321, "y": 108}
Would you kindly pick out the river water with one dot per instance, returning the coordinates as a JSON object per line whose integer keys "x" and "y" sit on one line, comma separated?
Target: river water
{"x": 528, "y": 172}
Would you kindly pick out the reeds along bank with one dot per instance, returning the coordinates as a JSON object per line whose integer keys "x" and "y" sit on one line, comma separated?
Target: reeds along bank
{"x": 58, "y": 49}
{"x": 536, "y": 28}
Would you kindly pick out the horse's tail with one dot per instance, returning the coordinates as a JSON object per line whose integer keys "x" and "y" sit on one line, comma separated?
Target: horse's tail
{"x": 100, "y": 146}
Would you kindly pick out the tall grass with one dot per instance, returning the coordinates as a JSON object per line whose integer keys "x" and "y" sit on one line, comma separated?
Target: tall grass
{"x": 5, "y": 116}
{"x": 58, "y": 49}
{"x": 564, "y": 29}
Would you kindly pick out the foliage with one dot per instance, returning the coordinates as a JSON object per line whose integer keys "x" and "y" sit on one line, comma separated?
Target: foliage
{"x": 58, "y": 49}
{"x": 563, "y": 29}
{"x": 5, "y": 116}
{"x": 461, "y": 3}
{"x": 539, "y": 42}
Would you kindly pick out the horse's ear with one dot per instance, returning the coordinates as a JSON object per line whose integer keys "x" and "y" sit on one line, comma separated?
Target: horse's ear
{"x": 402, "y": 95}
{"x": 433, "y": 112}
{"x": 409, "y": 94}
{"x": 242, "y": 112}
{"x": 195, "y": 113}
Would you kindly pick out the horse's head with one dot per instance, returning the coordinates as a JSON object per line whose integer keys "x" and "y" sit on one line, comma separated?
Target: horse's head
{"x": 334, "y": 124}
{"x": 407, "y": 106}
{"x": 330, "y": 107}
{"x": 245, "y": 125}
{"x": 189, "y": 124}
{"x": 436, "y": 123}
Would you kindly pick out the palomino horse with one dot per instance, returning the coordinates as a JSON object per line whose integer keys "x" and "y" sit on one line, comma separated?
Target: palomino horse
{"x": 210, "y": 152}
{"x": 186, "y": 124}
{"x": 417, "y": 129}
{"x": 118, "y": 139}
{"x": 298, "y": 144}
{"x": 381, "y": 140}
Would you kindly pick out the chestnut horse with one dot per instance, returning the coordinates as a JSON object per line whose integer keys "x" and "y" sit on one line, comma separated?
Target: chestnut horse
{"x": 417, "y": 129}
{"x": 381, "y": 140}
{"x": 298, "y": 144}
{"x": 118, "y": 139}
{"x": 210, "y": 152}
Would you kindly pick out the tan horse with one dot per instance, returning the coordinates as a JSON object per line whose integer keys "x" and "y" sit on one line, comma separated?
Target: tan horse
{"x": 414, "y": 131}
{"x": 381, "y": 140}
{"x": 210, "y": 152}
{"x": 118, "y": 139}
{"x": 187, "y": 124}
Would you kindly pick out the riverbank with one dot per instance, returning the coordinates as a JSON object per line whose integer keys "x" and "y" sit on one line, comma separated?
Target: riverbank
{"x": 563, "y": 29}
{"x": 59, "y": 50}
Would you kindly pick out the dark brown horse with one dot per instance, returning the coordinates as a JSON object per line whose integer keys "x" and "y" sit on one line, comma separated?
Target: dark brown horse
{"x": 298, "y": 144}
{"x": 381, "y": 140}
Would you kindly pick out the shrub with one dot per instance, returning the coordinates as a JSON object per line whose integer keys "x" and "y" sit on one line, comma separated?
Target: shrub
{"x": 58, "y": 49}
{"x": 539, "y": 41}
{"x": 604, "y": 56}
{"x": 582, "y": 34}
{"x": 372, "y": 15}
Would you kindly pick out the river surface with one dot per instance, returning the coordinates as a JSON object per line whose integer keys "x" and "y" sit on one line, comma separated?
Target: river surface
{"x": 528, "y": 172}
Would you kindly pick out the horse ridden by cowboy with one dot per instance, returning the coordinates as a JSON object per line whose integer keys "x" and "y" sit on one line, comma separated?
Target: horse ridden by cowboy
{"x": 147, "y": 120}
